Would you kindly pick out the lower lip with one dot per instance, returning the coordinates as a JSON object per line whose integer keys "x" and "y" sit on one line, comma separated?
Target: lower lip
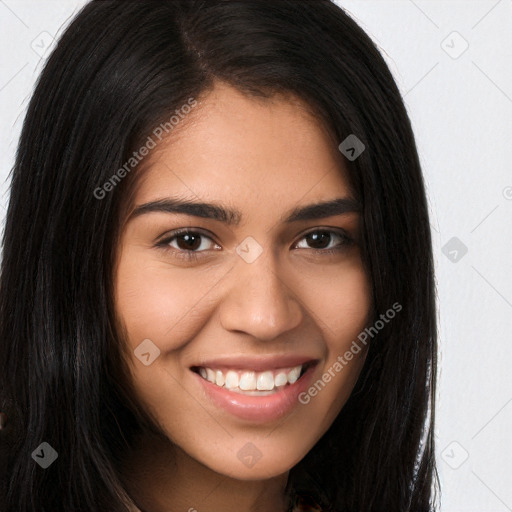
{"x": 258, "y": 409}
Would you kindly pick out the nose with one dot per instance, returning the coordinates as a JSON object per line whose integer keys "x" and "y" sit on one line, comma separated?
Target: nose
{"x": 258, "y": 301}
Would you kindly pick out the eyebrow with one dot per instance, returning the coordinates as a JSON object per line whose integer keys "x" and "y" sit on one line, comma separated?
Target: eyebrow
{"x": 232, "y": 217}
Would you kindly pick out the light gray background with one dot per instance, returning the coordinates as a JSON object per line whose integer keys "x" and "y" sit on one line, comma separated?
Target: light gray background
{"x": 460, "y": 102}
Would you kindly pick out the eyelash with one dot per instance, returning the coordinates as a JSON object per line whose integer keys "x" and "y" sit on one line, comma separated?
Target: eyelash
{"x": 189, "y": 255}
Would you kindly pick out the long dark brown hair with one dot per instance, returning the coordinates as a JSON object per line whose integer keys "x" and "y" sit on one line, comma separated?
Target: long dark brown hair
{"x": 119, "y": 70}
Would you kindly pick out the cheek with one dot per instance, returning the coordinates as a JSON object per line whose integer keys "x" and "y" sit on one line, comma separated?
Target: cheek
{"x": 341, "y": 305}
{"x": 165, "y": 305}
{"x": 169, "y": 307}
{"x": 339, "y": 300}
{"x": 350, "y": 303}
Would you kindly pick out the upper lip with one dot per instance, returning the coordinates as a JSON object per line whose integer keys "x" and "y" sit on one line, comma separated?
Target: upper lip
{"x": 256, "y": 363}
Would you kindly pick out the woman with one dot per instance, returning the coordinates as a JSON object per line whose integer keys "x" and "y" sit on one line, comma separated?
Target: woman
{"x": 217, "y": 286}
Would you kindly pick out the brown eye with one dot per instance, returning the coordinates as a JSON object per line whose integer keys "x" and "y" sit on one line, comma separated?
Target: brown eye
{"x": 188, "y": 241}
{"x": 324, "y": 239}
{"x": 318, "y": 239}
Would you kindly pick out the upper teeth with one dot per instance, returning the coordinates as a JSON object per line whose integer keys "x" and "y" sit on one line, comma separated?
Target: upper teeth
{"x": 249, "y": 380}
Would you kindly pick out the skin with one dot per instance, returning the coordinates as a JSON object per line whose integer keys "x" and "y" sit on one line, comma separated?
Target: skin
{"x": 264, "y": 158}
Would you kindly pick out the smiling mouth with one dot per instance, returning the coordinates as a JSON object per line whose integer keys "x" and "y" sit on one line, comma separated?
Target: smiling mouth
{"x": 253, "y": 383}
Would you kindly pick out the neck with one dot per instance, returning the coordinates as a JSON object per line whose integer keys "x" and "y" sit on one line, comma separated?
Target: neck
{"x": 160, "y": 477}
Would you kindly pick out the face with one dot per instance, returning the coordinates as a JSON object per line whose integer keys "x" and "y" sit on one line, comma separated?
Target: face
{"x": 238, "y": 297}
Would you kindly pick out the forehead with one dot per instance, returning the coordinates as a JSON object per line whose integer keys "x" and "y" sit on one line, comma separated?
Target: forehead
{"x": 233, "y": 147}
